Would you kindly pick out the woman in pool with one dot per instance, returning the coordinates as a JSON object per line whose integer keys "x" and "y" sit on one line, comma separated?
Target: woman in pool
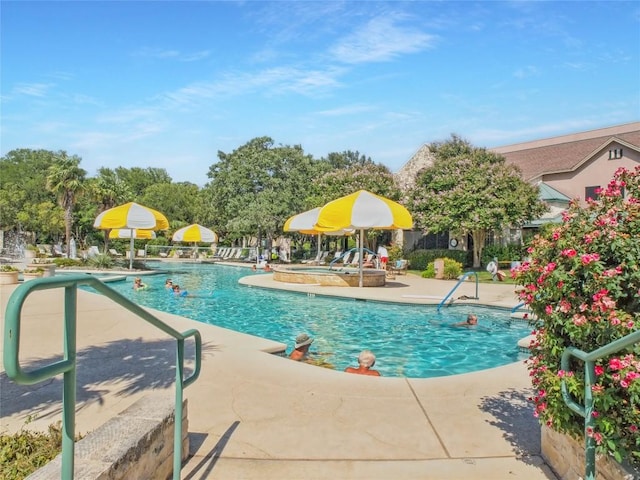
{"x": 138, "y": 285}
{"x": 168, "y": 283}
{"x": 366, "y": 360}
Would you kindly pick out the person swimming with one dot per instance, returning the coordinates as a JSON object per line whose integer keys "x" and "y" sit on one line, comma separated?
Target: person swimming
{"x": 138, "y": 285}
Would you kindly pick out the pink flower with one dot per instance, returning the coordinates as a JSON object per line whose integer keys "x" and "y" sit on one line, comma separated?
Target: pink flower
{"x": 588, "y": 258}
{"x": 548, "y": 309}
{"x": 599, "y": 370}
{"x": 569, "y": 252}
{"x": 615, "y": 364}
{"x": 579, "y": 320}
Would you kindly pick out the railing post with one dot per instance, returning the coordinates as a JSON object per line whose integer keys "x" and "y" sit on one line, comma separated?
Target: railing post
{"x": 69, "y": 383}
{"x": 590, "y": 442}
{"x": 177, "y": 424}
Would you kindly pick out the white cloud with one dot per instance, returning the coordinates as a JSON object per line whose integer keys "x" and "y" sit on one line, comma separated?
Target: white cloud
{"x": 170, "y": 54}
{"x": 346, "y": 110}
{"x": 381, "y": 39}
{"x": 32, "y": 89}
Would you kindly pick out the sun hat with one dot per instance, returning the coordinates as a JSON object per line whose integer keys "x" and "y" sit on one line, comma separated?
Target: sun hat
{"x": 303, "y": 339}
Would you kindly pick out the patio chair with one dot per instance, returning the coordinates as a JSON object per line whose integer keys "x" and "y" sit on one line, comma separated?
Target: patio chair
{"x": 399, "y": 266}
{"x": 114, "y": 252}
{"x": 355, "y": 261}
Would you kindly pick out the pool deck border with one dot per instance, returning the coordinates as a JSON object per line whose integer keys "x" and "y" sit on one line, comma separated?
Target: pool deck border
{"x": 253, "y": 415}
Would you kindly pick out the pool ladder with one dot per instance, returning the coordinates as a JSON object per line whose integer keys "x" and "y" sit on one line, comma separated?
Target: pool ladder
{"x": 460, "y": 280}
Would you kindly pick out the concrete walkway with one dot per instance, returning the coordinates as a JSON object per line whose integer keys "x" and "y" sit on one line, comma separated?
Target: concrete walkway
{"x": 253, "y": 415}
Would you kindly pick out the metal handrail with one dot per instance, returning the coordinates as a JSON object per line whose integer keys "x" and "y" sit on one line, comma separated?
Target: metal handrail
{"x": 518, "y": 307}
{"x": 460, "y": 280}
{"x": 586, "y": 411}
{"x": 67, "y": 366}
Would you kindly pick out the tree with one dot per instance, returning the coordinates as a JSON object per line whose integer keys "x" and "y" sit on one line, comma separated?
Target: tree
{"x": 23, "y": 187}
{"x": 65, "y": 179}
{"x": 346, "y": 159}
{"x": 139, "y": 179}
{"x": 258, "y": 186}
{"x": 375, "y": 178}
{"x": 179, "y": 202}
{"x": 471, "y": 191}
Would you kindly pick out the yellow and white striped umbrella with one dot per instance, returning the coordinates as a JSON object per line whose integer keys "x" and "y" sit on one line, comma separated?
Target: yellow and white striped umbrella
{"x": 304, "y": 223}
{"x": 363, "y": 210}
{"x": 195, "y": 233}
{"x": 138, "y": 233}
{"x": 131, "y": 215}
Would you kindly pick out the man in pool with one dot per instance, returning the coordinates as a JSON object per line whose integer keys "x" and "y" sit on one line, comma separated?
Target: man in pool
{"x": 472, "y": 320}
{"x": 366, "y": 360}
{"x": 301, "y": 348}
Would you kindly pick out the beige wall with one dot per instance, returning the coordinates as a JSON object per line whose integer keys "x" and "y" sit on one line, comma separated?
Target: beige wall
{"x": 598, "y": 171}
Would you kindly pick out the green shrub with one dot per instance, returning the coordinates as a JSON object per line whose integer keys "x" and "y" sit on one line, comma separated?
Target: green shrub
{"x": 510, "y": 252}
{"x": 583, "y": 283}
{"x": 395, "y": 254}
{"x": 25, "y": 452}
{"x": 430, "y": 271}
{"x": 67, "y": 262}
{"x": 452, "y": 269}
{"x": 420, "y": 259}
{"x": 101, "y": 261}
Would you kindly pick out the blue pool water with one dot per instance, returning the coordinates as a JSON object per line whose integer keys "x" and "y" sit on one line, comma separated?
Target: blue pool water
{"x": 408, "y": 340}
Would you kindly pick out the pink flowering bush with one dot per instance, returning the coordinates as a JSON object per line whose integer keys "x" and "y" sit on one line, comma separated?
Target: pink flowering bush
{"x": 583, "y": 285}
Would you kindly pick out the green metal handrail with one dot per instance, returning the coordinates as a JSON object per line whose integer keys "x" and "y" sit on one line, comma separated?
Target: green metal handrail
{"x": 67, "y": 366}
{"x": 586, "y": 411}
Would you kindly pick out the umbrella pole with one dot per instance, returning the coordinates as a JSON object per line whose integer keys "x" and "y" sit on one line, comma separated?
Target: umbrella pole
{"x": 131, "y": 251}
{"x": 360, "y": 284}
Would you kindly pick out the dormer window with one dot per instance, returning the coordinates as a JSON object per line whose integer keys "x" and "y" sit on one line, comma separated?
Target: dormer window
{"x": 615, "y": 153}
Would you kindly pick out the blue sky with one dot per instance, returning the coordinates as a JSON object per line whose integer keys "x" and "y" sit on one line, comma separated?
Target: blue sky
{"x": 169, "y": 84}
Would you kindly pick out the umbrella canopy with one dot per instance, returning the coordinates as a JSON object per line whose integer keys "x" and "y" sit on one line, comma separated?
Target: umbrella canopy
{"x": 195, "y": 233}
{"x": 305, "y": 222}
{"x": 363, "y": 210}
{"x": 138, "y": 233}
{"x": 131, "y": 216}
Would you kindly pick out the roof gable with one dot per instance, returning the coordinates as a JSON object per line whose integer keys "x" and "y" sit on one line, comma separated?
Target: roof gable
{"x": 567, "y": 156}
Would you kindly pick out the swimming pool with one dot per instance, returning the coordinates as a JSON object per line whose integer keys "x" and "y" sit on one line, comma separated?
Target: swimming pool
{"x": 408, "y": 340}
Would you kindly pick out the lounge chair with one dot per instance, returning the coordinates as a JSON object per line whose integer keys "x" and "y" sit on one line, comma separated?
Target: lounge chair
{"x": 399, "y": 266}
{"x": 355, "y": 261}
{"x": 114, "y": 252}
{"x": 320, "y": 257}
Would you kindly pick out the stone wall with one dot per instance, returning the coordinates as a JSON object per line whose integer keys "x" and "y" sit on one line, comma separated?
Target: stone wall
{"x": 137, "y": 443}
{"x": 566, "y": 457}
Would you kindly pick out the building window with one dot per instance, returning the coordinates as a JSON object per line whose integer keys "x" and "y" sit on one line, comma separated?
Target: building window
{"x": 591, "y": 193}
{"x": 615, "y": 153}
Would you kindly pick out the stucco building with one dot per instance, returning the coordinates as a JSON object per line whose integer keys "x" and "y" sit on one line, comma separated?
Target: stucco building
{"x": 566, "y": 167}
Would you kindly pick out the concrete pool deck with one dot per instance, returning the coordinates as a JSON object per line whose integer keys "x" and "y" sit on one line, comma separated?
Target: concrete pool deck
{"x": 253, "y": 415}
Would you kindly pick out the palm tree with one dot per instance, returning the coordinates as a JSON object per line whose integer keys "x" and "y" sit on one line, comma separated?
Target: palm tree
{"x": 65, "y": 179}
{"x": 108, "y": 189}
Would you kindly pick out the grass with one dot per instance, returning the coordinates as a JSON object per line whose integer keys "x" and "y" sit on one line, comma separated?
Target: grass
{"x": 483, "y": 276}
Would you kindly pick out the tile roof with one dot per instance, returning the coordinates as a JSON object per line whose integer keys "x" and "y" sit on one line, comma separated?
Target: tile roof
{"x": 563, "y": 156}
